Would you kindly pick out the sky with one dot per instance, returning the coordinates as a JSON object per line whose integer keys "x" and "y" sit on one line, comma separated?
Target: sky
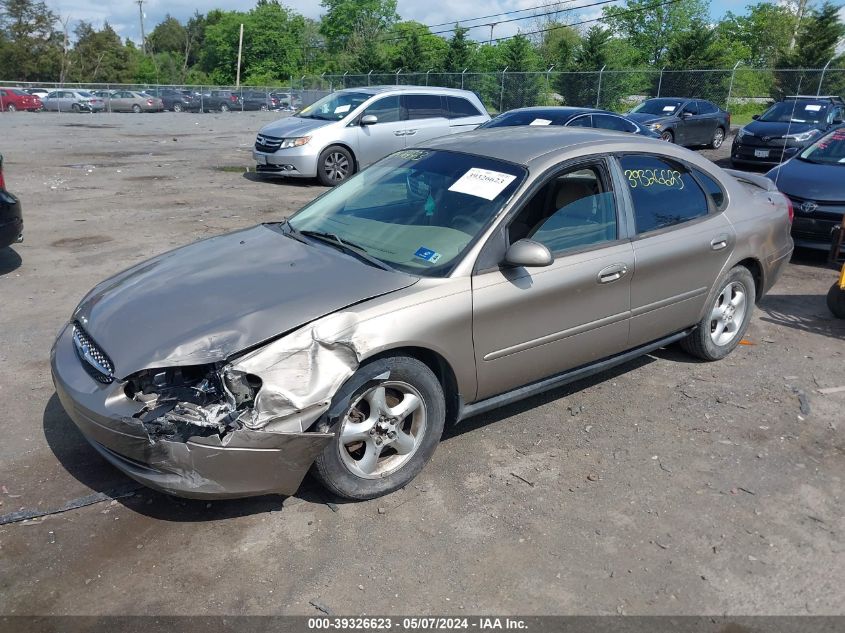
{"x": 123, "y": 15}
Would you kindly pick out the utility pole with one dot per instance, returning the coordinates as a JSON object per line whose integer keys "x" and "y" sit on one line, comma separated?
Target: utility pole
{"x": 492, "y": 26}
{"x": 240, "y": 49}
{"x": 143, "y": 37}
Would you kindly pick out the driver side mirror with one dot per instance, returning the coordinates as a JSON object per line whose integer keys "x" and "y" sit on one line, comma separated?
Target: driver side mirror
{"x": 686, "y": 115}
{"x": 369, "y": 119}
{"x": 529, "y": 254}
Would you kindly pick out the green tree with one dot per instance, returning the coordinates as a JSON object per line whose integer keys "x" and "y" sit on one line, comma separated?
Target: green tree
{"x": 459, "y": 53}
{"x": 28, "y": 49}
{"x": 168, "y": 36}
{"x": 694, "y": 48}
{"x": 522, "y": 83}
{"x": 592, "y": 53}
{"x": 558, "y": 45}
{"x": 820, "y": 32}
{"x": 412, "y": 47}
{"x": 763, "y": 33}
{"x": 344, "y": 18}
{"x": 649, "y": 28}
{"x": 99, "y": 56}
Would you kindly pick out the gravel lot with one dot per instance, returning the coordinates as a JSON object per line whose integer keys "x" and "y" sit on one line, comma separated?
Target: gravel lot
{"x": 667, "y": 486}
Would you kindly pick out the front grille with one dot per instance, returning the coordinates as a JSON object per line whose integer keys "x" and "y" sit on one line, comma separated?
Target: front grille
{"x": 94, "y": 360}
{"x": 267, "y": 144}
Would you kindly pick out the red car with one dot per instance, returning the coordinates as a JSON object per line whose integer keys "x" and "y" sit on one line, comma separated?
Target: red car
{"x": 13, "y": 99}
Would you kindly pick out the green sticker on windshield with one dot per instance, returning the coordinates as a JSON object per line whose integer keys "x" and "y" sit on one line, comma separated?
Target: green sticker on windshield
{"x": 412, "y": 154}
{"x": 429, "y": 206}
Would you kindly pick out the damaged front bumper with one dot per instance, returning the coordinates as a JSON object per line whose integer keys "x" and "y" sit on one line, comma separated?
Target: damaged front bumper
{"x": 239, "y": 463}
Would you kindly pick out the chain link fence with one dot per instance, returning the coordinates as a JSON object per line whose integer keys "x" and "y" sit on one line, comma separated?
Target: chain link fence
{"x": 739, "y": 89}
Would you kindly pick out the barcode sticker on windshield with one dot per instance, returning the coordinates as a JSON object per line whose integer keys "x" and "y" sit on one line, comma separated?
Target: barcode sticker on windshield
{"x": 813, "y": 108}
{"x": 342, "y": 109}
{"x": 668, "y": 108}
{"x": 482, "y": 183}
{"x": 540, "y": 122}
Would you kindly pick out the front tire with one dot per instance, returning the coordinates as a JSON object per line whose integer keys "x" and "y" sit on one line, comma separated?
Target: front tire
{"x": 11, "y": 108}
{"x": 727, "y": 319}
{"x": 718, "y": 138}
{"x": 224, "y": 107}
{"x": 667, "y": 136}
{"x": 136, "y": 109}
{"x": 387, "y": 420}
{"x": 177, "y": 107}
{"x": 75, "y": 107}
{"x": 334, "y": 166}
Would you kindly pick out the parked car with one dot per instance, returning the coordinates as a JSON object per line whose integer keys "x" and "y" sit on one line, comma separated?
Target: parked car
{"x": 73, "y": 101}
{"x": 176, "y": 99}
{"x": 11, "y": 220}
{"x": 569, "y": 117}
{"x": 349, "y": 129}
{"x": 36, "y": 92}
{"x": 13, "y": 99}
{"x": 785, "y": 129}
{"x": 287, "y": 100}
{"x": 815, "y": 182}
{"x": 221, "y": 100}
{"x": 684, "y": 121}
{"x": 441, "y": 282}
{"x": 130, "y": 101}
{"x": 258, "y": 100}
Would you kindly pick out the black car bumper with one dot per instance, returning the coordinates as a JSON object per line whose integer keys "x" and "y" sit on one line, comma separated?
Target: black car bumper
{"x": 747, "y": 154}
{"x": 11, "y": 220}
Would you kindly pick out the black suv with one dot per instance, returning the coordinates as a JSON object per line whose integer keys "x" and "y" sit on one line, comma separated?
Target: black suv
{"x": 11, "y": 221}
{"x": 221, "y": 100}
{"x": 684, "y": 121}
{"x": 784, "y": 129}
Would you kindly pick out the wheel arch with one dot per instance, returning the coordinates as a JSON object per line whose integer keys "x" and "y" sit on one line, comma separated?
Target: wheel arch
{"x": 441, "y": 368}
{"x": 348, "y": 148}
{"x": 756, "y": 269}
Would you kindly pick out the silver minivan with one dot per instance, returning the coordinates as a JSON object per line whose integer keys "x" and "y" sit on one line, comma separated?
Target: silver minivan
{"x": 349, "y": 129}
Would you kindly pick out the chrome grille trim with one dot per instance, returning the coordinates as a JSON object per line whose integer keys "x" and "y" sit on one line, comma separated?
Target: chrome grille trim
{"x": 94, "y": 360}
{"x": 268, "y": 144}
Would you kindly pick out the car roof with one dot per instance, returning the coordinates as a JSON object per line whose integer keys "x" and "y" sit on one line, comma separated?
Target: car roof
{"x": 374, "y": 90}
{"x": 831, "y": 98}
{"x": 559, "y": 109}
{"x": 529, "y": 145}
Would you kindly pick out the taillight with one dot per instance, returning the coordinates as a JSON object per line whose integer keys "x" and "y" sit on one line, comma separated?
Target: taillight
{"x": 233, "y": 97}
{"x": 2, "y": 180}
{"x": 790, "y": 209}
{"x": 149, "y": 102}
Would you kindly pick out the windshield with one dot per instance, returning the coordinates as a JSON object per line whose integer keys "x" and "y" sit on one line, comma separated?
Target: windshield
{"x": 83, "y": 93}
{"x": 829, "y": 150}
{"x": 417, "y": 210}
{"x": 659, "y": 107}
{"x": 795, "y": 112}
{"x": 334, "y": 107}
{"x": 530, "y": 117}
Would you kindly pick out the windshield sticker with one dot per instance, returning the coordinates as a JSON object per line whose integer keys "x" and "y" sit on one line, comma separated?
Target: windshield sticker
{"x": 482, "y": 183}
{"x": 412, "y": 154}
{"x": 428, "y": 255}
{"x": 669, "y": 108}
{"x": 342, "y": 109}
{"x": 540, "y": 122}
{"x": 813, "y": 108}
{"x": 645, "y": 178}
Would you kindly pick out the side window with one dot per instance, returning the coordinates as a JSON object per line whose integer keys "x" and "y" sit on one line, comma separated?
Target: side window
{"x": 691, "y": 107}
{"x": 705, "y": 107}
{"x": 581, "y": 121}
{"x": 459, "y": 107}
{"x": 575, "y": 209}
{"x": 423, "y": 106}
{"x": 664, "y": 193}
{"x": 386, "y": 109}
{"x": 609, "y": 122}
{"x": 712, "y": 188}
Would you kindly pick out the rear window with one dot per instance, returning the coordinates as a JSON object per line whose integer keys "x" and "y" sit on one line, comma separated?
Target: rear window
{"x": 705, "y": 107}
{"x": 712, "y": 188}
{"x": 664, "y": 193}
{"x": 459, "y": 107}
{"x": 423, "y": 106}
{"x": 610, "y": 122}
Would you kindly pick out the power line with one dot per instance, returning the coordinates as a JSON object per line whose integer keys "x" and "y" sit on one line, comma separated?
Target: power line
{"x": 495, "y": 15}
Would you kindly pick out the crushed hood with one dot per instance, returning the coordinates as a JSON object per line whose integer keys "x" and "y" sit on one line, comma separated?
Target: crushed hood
{"x": 203, "y": 302}
{"x": 292, "y": 126}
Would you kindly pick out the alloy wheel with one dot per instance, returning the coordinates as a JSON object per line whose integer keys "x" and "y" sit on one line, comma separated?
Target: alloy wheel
{"x": 12, "y": 108}
{"x": 336, "y": 166}
{"x": 382, "y": 430}
{"x": 728, "y": 313}
{"x": 718, "y": 138}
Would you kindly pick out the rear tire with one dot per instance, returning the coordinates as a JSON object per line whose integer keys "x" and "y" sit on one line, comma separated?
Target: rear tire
{"x": 836, "y": 301}
{"x": 334, "y": 165}
{"x": 726, "y": 320}
{"x": 387, "y": 420}
{"x": 718, "y": 138}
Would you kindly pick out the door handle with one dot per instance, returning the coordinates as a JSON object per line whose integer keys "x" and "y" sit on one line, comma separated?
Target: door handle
{"x": 410, "y": 132}
{"x": 718, "y": 243}
{"x": 612, "y": 273}
{"x": 399, "y": 133}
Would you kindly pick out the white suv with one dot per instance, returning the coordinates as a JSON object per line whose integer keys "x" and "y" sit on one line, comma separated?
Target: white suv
{"x": 347, "y": 130}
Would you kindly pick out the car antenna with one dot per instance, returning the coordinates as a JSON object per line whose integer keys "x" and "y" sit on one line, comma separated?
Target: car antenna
{"x": 788, "y": 129}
